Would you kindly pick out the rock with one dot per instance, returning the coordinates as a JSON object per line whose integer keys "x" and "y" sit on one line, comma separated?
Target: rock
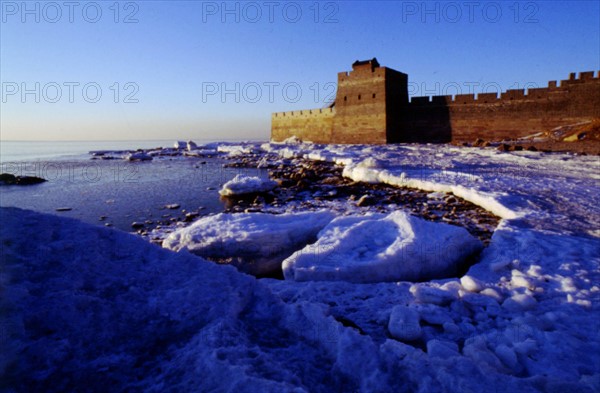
{"x": 102, "y": 218}
{"x": 504, "y": 147}
{"x": 137, "y": 225}
{"x": 478, "y": 142}
{"x": 366, "y": 200}
{"x": 451, "y": 199}
{"x": 63, "y": 209}
{"x": 9, "y": 179}
{"x": 172, "y": 206}
{"x": 189, "y": 217}
{"x": 531, "y": 148}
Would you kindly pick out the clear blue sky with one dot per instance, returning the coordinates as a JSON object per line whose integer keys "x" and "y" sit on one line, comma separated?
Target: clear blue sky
{"x": 173, "y": 61}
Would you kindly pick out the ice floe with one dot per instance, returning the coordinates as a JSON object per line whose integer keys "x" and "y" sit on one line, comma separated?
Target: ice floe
{"x": 243, "y": 184}
{"x": 373, "y": 248}
{"x": 255, "y": 243}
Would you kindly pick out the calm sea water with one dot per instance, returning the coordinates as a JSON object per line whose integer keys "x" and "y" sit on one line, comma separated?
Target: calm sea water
{"x": 121, "y": 191}
{"x": 55, "y": 150}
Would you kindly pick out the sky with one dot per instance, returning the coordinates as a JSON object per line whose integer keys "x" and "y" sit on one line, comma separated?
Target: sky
{"x": 204, "y": 70}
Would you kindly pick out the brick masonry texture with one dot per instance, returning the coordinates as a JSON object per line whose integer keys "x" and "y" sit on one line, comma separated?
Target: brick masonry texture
{"x": 372, "y": 106}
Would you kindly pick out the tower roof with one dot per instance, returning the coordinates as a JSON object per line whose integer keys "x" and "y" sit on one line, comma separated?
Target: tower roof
{"x": 372, "y": 62}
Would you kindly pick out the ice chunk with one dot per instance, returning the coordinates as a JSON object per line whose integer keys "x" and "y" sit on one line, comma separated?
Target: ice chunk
{"x": 404, "y": 323}
{"x": 476, "y": 348}
{"x": 471, "y": 284}
{"x": 519, "y": 302}
{"x": 434, "y": 315}
{"x": 180, "y": 145}
{"x": 425, "y": 294}
{"x": 242, "y": 184}
{"x": 442, "y": 349}
{"x": 191, "y": 145}
{"x": 376, "y": 248}
{"x": 254, "y": 242}
{"x": 508, "y": 357}
{"x": 138, "y": 156}
{"x": 520, "y": 280}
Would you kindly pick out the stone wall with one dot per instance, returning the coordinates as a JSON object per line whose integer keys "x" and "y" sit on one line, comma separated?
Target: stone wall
{"x": 360, "y": 106}
{"x": 313, "y": 125}
{"x": 513, "y": 114}
{"x": 372, "y": 106}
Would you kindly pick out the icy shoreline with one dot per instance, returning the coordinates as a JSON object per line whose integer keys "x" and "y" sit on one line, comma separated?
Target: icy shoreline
{"x": 524, "y": 317}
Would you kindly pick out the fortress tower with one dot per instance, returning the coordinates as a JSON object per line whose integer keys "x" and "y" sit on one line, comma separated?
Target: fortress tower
{"x": 368, "y": 103}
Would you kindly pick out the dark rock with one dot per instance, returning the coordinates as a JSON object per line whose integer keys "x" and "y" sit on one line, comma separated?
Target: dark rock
{"x": 172, "y": 206}
{"x": 478, "y": 142}
{"x": 9, "y": 179}
{"x": 189, "y": 217}
{"x": 504, "y": 147}
{"x": 137, "y": 225}
{"x": 63, "y": 209}
{"x": 531, "y": 148}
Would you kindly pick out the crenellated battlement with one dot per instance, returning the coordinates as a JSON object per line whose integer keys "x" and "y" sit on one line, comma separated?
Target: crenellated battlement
{"x": 305, "y": 112}
{"x": 372, "y": 106}
{"x": 512, "y": 94}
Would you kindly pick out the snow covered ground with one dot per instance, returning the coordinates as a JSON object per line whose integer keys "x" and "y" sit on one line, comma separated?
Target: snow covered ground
{"x": 87, "y": 306}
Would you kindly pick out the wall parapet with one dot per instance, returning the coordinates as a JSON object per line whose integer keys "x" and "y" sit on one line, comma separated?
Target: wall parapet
{"x": 511, "y": 94}
{"x": 305, "y": 112}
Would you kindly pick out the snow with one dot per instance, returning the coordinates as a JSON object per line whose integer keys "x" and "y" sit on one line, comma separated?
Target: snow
{"x": 84, "y": 307}
{"x": 256, "y": 243}
{"x": 375, "y": 248}
{"x": 243, "y": 184}
{"x": 471, "y": 283}
{"x": 404, "y": 323}
{"x": 88, "y": 306}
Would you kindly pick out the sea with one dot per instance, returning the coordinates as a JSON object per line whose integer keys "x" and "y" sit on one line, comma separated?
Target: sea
{"x": 114, "y": 193}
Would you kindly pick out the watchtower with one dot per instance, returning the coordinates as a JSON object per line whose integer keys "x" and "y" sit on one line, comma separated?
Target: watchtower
{"x": 369, "y": 103}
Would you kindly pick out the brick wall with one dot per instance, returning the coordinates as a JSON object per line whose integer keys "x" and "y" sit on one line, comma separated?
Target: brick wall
{"x": 513, "y": 114}
{"x": 372, "y": 106}
{"x": 313, "y": 125}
